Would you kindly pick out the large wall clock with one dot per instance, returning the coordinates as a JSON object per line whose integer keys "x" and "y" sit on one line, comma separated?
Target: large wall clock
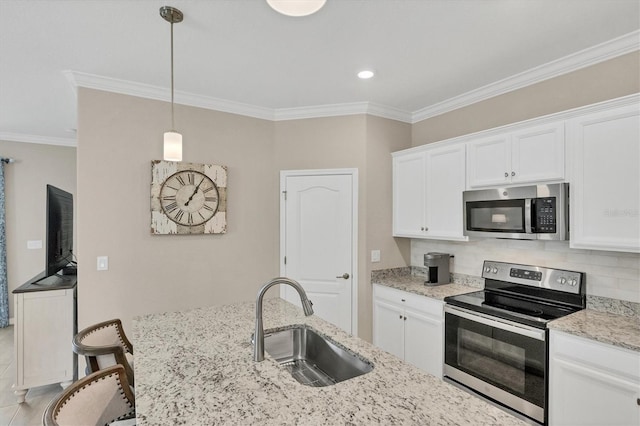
{"x": 188, "y": 198}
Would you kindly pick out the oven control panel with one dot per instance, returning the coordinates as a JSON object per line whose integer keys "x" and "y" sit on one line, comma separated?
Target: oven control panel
{"x": 535, "y": 276}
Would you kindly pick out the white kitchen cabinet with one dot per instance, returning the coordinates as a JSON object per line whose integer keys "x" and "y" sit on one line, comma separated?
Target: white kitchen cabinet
{"x": 409, "y": 192}
{"x": 529, "y": 155}
{"x": 427, "y": 192}
{"x": 410, "y": 327}
{"x": 44, "y": 328}
{"x": 591, "y": 383}
{"x": 604, "y": 151}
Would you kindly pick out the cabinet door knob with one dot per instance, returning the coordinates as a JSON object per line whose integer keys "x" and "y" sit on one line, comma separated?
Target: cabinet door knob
{"x": 506, "y": 174}
{"x": 426, "y": 229}
{"x": 422, "y": 229}
{"x": 402, "y": 300}
{"x": 405, "y": 318}
{"x": 400, "y": 316}
{"x": 513, "y": 173}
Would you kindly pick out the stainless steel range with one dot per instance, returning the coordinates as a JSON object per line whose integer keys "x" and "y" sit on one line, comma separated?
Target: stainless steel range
{"x": 496, "y": 338}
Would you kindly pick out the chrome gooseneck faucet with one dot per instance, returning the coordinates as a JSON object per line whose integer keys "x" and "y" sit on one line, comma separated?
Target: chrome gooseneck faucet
{"x": 258, "y": 336}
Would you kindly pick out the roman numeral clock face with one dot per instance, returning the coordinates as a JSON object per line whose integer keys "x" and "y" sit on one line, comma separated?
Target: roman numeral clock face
{"x": 189, "y": 198}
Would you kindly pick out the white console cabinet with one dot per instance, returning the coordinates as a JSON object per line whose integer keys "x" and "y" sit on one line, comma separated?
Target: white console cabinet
{"x": 44, "y": 328}
{"x": 592, "y": 383}
{"x": 410, "y": 327}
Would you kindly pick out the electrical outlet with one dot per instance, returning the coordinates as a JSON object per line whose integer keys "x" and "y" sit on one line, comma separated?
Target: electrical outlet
{"x": 375, "y": 255}
{"x": 103, "y": 263}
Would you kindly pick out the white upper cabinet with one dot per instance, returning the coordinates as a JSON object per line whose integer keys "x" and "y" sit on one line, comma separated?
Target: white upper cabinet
{"x": 604, "y": 151}
{"x": 529, "y": 155}
{"x": 409, "y": 195}
{"x": 427, "y": 192}
{"x": 445, "y": 172}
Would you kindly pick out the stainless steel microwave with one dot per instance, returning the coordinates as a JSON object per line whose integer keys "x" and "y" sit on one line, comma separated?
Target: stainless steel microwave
{"x": 537, "y": 212}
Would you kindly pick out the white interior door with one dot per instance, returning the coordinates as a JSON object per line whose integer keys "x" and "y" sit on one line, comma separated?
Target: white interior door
{"x": 318, "y": 241}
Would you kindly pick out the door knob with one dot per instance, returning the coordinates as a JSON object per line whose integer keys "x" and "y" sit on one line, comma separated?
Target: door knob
{"x": 345, "y": 276}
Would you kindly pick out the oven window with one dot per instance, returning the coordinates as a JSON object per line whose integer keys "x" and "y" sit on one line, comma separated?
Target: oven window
{"x": 496, "y": 216}
{"x": 495, "y": 360}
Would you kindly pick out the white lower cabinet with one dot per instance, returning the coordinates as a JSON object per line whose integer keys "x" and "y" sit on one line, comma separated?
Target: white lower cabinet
{"x": 591, "y": 383}
{"x": 410, "y": 327}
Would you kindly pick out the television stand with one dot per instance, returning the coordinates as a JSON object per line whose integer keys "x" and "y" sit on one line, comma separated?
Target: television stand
{"x": 54, "y": 280}
{"x": 45, "y": 323}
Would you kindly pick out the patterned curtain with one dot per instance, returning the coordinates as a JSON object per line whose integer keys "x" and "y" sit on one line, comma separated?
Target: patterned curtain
{"x": 4, "y": 285}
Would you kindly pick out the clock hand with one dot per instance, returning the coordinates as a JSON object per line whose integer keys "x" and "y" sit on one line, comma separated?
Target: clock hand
{"x": 194, "y": 193}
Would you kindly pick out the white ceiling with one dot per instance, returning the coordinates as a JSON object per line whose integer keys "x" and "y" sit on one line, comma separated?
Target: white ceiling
{"x": 241, "y": 56}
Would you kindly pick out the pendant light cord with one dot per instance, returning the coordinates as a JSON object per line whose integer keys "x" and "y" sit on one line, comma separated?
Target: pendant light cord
{"x": 173, "y": 126}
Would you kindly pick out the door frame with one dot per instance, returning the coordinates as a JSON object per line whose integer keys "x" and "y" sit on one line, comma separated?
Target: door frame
{"x": 284, "y": 174}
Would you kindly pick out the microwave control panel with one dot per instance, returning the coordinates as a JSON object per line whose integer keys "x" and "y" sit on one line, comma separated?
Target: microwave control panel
{"x": 544, "y": 220}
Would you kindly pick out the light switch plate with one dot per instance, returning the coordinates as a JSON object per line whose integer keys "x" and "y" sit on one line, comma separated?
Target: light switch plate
{"x": 375, "y": 255}
{"x": 103, "y": 263}
{"x": 34, "y": 244}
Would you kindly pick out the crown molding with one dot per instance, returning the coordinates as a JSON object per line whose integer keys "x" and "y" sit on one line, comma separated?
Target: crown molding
{"x": 332, "y": 110}
{"x": 587, "y": 57}
{"x": 124, "y": 87}
{"x": 147, "y": 91}
{"x": 593, "y": 55}
{"x": 44, "y": 140}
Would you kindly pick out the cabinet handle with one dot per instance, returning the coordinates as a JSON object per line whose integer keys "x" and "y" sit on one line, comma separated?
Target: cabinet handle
{"x": 506, "y": 174}
{"x": 400, "y": 316}
{"x": 638, "y": 401}
{"x": 422, "y": 229}
{"x": 513, "y": 173}
{"x": 405, "y": 318}
{"x": 402, "y": 300}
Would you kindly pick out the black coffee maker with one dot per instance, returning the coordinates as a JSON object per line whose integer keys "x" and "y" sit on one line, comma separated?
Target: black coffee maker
{"x": 437, "y": 265}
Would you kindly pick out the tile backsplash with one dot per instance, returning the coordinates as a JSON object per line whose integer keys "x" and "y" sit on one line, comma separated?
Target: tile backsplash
{"x": 614, "y": 275}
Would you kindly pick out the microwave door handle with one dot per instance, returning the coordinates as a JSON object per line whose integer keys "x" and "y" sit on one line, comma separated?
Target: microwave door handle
{"x": 528, "y": 215}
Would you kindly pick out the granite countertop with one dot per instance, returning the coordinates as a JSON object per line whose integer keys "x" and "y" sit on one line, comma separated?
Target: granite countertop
{"x": 415, "y": 284}
{"x": 196, "y": 367}
{"x": 617, "y": 330}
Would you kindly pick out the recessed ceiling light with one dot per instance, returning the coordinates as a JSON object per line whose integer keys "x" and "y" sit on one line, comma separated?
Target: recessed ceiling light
{"x": 296, "y": 7}
{"x": 365, "y": 74}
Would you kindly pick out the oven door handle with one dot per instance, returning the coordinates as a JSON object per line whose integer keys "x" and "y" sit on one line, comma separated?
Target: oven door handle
{"x": 512, "y": 327}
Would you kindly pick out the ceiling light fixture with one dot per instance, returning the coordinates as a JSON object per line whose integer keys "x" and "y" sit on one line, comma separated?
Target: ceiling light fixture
{"x": 365, "y": 74}
{"x": 296, "y": 7}
{"x": 172, "y": 139}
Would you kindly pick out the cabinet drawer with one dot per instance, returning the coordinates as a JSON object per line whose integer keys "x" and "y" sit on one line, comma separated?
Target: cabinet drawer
{"x": 424, "y": 304}
{"x": 596, "y": 354}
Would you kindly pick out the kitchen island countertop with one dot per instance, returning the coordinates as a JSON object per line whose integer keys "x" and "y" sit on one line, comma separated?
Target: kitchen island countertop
{"x": 196, "y": 367}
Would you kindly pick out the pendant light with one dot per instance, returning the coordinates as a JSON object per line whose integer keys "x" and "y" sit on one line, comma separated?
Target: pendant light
{"x": 172, "y": 139}
{"x": 296, "y": 7}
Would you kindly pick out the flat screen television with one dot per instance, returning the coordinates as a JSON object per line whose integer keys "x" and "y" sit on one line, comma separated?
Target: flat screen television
{"x": 59, "y": 230}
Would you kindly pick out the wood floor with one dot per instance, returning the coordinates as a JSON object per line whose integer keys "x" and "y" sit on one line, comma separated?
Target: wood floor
{"x": 11, "y": 413}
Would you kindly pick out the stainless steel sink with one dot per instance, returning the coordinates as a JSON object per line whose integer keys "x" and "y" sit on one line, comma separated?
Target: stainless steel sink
{"x": 314, "y": 359}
